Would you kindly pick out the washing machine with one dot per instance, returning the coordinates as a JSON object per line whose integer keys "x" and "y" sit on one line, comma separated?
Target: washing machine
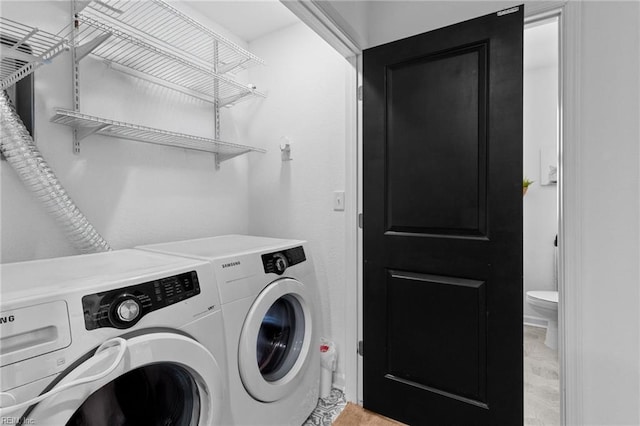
{"x": 270, "y": 307}
{"x": 119, "y": 338}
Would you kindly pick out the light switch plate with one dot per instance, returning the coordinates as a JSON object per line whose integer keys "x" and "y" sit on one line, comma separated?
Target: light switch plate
{"x": 338, "y": 201}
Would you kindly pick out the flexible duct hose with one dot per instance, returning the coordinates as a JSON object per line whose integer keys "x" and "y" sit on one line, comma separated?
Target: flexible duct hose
{"x": 17, "y": 145}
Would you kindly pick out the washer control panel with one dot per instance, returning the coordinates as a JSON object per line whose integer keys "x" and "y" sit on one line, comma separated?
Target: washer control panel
{"x": 124, "y": 307}
{"x": 279, "y": 261}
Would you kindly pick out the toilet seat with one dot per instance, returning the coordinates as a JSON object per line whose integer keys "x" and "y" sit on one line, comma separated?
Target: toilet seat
{"x": 543, "y": 299}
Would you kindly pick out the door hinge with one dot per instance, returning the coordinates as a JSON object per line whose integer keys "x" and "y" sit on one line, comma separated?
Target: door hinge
{"x": 360, "y": 348}
{"x": 508, "y": 11}
{"x": 359, "y": 93}
{"x": 360, "y": 219}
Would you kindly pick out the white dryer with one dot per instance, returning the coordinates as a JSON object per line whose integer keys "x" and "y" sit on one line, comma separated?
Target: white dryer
{"x": 270, "y": 306}
{"x": 120, "y": 338}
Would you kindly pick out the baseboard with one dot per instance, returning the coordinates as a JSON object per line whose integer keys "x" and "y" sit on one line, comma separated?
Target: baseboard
{"x": 535, "y": 321}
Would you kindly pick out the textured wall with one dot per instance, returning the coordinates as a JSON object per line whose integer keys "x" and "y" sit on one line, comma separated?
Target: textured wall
{"x": 294, "y": 199}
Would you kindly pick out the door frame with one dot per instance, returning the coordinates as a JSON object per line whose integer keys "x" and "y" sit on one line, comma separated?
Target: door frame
{"x": 327, "y": 22}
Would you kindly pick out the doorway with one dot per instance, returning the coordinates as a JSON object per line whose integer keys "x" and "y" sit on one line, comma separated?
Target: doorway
{"x": 540, "y": 221}
{"x": 331, "y": 25}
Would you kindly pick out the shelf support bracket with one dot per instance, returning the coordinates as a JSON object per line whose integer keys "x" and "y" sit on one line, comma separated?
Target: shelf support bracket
{"x": 216, "y": 95}
{"x": 85, "y": 49}
{"x": 75, "y": 73}
{"x": 232, "y": 99}
{"x": 228, "y": 67}
{"x": 81, "y": 134}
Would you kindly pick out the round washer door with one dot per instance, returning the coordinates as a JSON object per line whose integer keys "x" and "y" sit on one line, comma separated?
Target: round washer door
{"x": 164, "y": 378}
{"x": 276, "y": 340}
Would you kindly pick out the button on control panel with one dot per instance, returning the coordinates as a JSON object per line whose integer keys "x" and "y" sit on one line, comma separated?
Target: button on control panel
{"x": 279, "y": 261}
{"x": 124, "y": 307}
{"x": 128, "y": 310}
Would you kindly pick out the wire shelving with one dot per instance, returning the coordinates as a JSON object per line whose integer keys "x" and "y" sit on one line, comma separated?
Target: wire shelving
{"x": 24, "y": 49}
{"x": 154, "y": 41}
{"x": 87, "y": 125}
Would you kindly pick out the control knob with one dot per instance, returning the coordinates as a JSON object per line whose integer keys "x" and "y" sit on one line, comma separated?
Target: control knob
{"x": 280, "y": 263}
{"x": 125, "y": 311}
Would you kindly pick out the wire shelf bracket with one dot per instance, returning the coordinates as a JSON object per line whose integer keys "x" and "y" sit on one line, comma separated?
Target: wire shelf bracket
{"x": 88, "y": 47}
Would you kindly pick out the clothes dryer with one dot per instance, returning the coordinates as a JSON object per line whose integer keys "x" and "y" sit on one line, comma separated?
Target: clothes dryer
{"x": 270, "y": 306}
{"x": 119, "y": 338}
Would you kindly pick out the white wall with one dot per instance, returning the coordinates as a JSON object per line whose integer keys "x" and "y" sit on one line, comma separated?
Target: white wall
{"x": 133, "y": 193}
{"x": 540, "y": 203}
{"x": 294, "y": 199}
{"x": 610, "y": 145}
{"x": 355, "y": 14}
{"x": 391, "y": 20}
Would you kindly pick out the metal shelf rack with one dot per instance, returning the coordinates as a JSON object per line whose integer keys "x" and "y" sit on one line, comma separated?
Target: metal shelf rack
{"x": 24, "y": 49}
{"x": 154, "y": 41}
{"x": 162, "y": 23}
{"x": 86, "y": 125}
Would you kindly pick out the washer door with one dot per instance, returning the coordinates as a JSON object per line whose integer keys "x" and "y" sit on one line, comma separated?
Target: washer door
{"x": 164, "y": 378}
{"x": 276, "y": 339}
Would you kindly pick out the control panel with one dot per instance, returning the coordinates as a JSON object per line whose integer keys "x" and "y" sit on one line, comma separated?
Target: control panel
{"x": 279, "y": 261}
{"x": 124, "y": 307}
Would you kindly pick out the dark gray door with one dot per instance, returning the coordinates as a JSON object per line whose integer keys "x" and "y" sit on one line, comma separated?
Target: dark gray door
{"x": 443, "y": 224}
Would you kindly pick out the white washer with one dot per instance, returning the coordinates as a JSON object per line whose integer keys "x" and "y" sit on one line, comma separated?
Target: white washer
{"x": 149, "y": 323}
{"x": 270, "y": 306}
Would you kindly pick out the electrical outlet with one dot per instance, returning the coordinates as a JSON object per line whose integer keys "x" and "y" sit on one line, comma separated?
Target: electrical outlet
{"x": 338, "y": 201}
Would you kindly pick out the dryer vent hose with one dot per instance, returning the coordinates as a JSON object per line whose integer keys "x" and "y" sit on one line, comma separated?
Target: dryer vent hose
{"x": 17, "y": 145}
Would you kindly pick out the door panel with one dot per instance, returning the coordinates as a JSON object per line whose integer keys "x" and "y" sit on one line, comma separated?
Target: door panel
{"x": 448, "y": 138}
{"x": 457, "y": 366}
{"x": 443, "y": 224}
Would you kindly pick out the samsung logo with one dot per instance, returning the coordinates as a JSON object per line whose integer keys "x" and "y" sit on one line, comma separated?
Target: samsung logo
{"x": 10, "y": 318}
{"x": 230, "y": 264}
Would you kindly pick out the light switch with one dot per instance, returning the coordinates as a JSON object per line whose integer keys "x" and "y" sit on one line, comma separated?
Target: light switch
{"x": 338, "y": 200}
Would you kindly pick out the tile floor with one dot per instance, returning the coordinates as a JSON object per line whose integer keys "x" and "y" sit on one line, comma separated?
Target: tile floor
{"x": 541, "y": 380}
{"x": 541, "y": 387}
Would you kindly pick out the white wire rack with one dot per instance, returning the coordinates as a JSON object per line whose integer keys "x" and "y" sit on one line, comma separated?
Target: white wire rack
{"x": 165, "y": 24}
{"x": 23, "y": 49}
{"x": 87, "y": 125}
{"x": 154, "y": 41}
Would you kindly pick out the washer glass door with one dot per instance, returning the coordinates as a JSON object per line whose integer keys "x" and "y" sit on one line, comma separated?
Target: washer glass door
{"x": 280, "y": 338}
{"x": 164, "y": 378}
{"x": 156, "y": 394}
{"x": 276, "y": 339}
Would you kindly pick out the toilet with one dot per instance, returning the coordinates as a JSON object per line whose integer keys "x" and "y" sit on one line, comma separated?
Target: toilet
{"x": 545, "y": 303}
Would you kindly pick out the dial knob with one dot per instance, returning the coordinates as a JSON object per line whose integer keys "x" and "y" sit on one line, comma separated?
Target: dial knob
{"x": 280, "y": 263}
{"x": 125, "y": 311}
{"x": 128, "y": 310}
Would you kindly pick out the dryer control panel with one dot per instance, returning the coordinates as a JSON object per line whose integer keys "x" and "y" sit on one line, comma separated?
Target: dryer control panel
{"x": 279, "y": 261}
{"x": 124, "y": 307}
